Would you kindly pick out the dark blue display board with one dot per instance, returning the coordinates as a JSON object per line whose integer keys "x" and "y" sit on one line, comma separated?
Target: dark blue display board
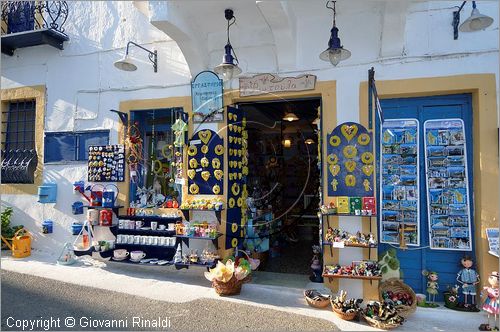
{"x": 236, "y": 150}
{"x": 350, "y": 161}
{"x": 206, "y": 158}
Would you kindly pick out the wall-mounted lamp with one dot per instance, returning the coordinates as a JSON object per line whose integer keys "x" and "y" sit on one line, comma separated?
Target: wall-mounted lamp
{"x": 229, "y": 66}
{"x": 335, "y": 51}
{"x": 127, "y": 63}
{"x": 475, "y": 22}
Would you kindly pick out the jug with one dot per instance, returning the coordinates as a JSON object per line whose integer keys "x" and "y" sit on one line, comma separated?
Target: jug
{"x": 109, "y": 196}
{"x": 106, "y": 218}
{"x": 93, "y": 216}
{"x": 96, "y": 195}
{"x": 21, "y": 244}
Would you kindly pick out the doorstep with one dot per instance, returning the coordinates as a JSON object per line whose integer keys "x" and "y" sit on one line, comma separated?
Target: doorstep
{"x": 171, "y": 285}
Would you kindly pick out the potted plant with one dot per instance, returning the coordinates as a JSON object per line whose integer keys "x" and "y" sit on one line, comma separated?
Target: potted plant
{"x": 451, "y": 296}
{"x": 8, "y": 231}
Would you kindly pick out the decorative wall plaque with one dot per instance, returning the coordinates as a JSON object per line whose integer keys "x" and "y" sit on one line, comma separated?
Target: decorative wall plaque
{"x": 269, "y": 83}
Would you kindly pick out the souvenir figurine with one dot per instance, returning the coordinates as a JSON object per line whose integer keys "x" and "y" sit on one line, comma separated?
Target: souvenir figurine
{"x": 432, "y": 285}
{"x": 491, "y": 305}
{"x": 468, "y": 278}
{"x": 316, "y": 266}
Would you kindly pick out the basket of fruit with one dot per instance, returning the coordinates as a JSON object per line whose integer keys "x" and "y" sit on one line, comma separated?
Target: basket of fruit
{"x": 345, "y": 309}
{"x": 316, "y": 299}
{"x": 400, "y": 295}
{"x": 382, "y": 315}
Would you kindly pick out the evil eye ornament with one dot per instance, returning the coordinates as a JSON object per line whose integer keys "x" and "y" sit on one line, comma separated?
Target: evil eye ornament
{"x": 350, "y": 151}
{"x": 216, "y": 163}
{"x": 204, "y": 149}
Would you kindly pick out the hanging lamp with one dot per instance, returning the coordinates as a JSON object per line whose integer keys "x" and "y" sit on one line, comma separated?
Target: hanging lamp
{"x": 335, "y": 51}
{"x": 309, "y": 141}
{"x": 290, "y": 116}
{"x": 475, "y": 22}
{"x": 229, "y": 66}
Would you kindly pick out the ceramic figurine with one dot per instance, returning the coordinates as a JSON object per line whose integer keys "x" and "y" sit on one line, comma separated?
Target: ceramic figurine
{"x": 468, "y": 278}
{"x": 316, "y": 266}
{"x": 432, "y": 284}
{"x": 178, "y": 255}
{"x": 491, "y": 303}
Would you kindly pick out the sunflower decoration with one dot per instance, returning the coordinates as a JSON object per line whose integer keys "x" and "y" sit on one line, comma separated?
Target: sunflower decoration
{"x": 192, "y": 150}
{"x": 205, "y": 162}
{"x": 193, "y": 163}
{"x": 216, "y": 189}
{"x": 219, "y": 149}
{"x": 367, "y": 157}
{"x": 194, "y": 189}
{"x": 335, "y": 141}
{"x": 350, "y": 151}
{"x": 364, "y": 139}
{"x": 216, "y": 163}
{"x": 204, "y": 149}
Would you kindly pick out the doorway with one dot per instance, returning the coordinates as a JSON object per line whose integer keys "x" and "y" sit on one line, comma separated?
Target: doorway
{"x": 283, "y": 183}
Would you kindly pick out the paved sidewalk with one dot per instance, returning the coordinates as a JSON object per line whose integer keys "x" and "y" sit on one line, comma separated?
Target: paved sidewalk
{"x": 170, "y": 285}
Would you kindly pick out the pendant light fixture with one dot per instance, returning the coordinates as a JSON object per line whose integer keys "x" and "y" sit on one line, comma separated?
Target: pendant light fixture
{"x": 309, "y": 141}
{"x": 335, "y": 51}
{"x": 475, "y": 22}
{"x": 290, "y": 116}
{"x": 229, "y": 66}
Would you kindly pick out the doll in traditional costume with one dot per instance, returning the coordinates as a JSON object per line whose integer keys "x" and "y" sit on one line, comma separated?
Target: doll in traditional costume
{"x": 490, "y": 304}
{"x": 432, "y": 284}
{"x": 468, "y": 278}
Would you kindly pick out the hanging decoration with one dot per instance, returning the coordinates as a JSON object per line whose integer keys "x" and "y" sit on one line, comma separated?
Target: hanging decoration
{"x": 350, "y": 163}
{"x": 237, "y": 171}
{"x": 203, "y": 177}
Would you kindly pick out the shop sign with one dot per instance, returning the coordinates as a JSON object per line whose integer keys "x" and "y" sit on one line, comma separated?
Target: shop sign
{"x": 269, "y": 83}
{"x": 206, "y": 95}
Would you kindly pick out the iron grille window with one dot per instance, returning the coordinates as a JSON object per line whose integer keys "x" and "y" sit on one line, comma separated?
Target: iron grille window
{"x": 19, "y": 158}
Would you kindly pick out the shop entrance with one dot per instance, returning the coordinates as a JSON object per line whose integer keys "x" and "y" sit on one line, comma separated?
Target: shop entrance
{"x": 426, "y": 159}
{"x": 283, "y": 183}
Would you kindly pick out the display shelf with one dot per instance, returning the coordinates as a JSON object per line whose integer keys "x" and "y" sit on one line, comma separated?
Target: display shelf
{"x": 128, "y": 261}
{"x": 185, "y": 212}
{"x": 179, "y": 266}
{"x": 103, "y": 207}
{"x": 79, "y": 252}
{"x": 351, "y": 245}
{"x": 143, "y": 246}
{"x": 199, "y": 237}
{"x": 151, "y": 218}
{"x": 145, "y": 231}
{"x": 340, "y": 276}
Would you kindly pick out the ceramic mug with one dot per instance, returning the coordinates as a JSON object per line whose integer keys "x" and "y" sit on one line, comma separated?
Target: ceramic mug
{"x": 162, "y": 241}
{"x": 149, "y": 240}
{"x": 138, "y": 224}
{"x": 154, "y": 225}
{"x": 130, "y": 239}
{"x": 111, "y": 244}
{"x": 171, "y": 241}
{"x": 121, "y": 222}
{"x": 161, "y": 227}
{"x": 120, "y": 253}
{"x": 171, "y": 227}
{"x": 137, "y": 255}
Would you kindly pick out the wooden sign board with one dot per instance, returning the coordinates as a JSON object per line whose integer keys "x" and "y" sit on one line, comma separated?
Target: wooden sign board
{"x": 269, "y": 83}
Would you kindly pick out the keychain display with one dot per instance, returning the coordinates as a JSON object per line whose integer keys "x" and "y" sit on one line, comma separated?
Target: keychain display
{"x": 447, "y": 185}
{"x": 399, "y": 198}
{"x": 205, "y": 169}
{"x": 106, "y": 163}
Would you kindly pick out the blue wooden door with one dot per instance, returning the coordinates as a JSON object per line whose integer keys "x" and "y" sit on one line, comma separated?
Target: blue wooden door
{"x": 417, "y": 258}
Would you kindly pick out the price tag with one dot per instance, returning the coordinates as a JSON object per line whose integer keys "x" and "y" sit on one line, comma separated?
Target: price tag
{"x": 338, "y": 244}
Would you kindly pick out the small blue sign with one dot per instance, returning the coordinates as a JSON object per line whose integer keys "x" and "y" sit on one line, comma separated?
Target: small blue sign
{"x": 206, "y": 94}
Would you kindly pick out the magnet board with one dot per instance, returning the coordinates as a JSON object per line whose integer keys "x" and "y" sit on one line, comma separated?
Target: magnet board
{"x": 106, "y": 163}
{"x": 399, "y": 182}
{"x": 350, "y": 161}
{"x": 205, "y": 163}
{"x": 237, "y": 170}
{"x": 447, "y": 185}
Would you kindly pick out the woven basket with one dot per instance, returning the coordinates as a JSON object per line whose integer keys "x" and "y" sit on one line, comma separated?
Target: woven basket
{"x": 379, "y": 324}
{"x": 344, "y": 315}
{"x": 397, "y": 286}
{"x": 317, "y": 303}
{"x": 232, "y": 287}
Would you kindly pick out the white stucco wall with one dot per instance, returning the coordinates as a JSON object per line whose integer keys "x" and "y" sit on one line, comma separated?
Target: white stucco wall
{"x": 400, "y": 39}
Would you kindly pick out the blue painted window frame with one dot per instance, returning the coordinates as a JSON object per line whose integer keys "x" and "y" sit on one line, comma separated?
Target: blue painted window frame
{"x": 72, "y": 146}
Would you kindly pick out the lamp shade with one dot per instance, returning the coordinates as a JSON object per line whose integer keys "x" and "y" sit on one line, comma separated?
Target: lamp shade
{"x": 475, "y": 22}
{"x": 125, "y": 64}
{"x": 227, "y": 71}
{"x": 309, "y": 141}
{"x": 335, "y": 51}
{"x": 290, "y": 116}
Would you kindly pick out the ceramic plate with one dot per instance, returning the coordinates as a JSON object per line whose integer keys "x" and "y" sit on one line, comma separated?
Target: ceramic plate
{"x": 135, "y": 261}
{"x": 119, "y": 259}
{"x": 145, "y": 228}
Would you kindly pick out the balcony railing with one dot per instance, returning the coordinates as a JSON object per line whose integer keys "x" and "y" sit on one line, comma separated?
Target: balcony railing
{"x": 31, "y": 23}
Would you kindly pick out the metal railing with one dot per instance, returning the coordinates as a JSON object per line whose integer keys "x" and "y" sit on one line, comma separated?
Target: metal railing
{"x": 19, "y": 16}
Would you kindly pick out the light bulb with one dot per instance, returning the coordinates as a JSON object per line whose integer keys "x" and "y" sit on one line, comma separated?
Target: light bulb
{"x": 334, "y": 56}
